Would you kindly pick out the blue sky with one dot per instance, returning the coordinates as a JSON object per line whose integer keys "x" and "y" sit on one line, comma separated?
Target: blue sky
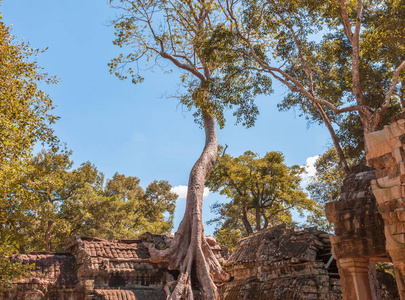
{"x": 135, "y": 129}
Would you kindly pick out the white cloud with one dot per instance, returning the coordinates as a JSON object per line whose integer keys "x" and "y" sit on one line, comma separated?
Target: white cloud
{"x": 309, "y": 169}
{"x": 181, "y": 190}
{"x": 310, "y": 166}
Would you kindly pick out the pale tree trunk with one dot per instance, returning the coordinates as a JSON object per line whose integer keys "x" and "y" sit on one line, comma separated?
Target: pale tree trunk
{"x": 245, "y": 221}
{"x": 48, "y": 236}
{"x": 189, "y": 249}
{"x": 373, "y": 281}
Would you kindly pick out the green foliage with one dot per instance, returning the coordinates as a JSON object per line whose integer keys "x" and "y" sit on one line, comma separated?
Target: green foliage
{"x": 53, "y": 185}
{"x": 229, "y": 236}
{"x": 10, "y": 269}
{"x": 382, "y": 50}
{"x": 384, "y": 35}
{"x": 25, "y": 119}
{"x": 125, "y": 210}
{"x": 385, "y": 267}
{"x": 325, "y": 185}
{"x": 263, "y": 192}
{"x": 159, "y": 34}
{"x": 76, "y": 202}
{"x": 305, "y": 46}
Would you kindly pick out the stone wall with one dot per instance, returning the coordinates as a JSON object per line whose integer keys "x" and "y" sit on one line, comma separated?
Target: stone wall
{"x": 95, "y": 268}
{"x": 386, "y": 153}
{"x": 359, "y": 227}
{"x": 282, "y": 263}
{"x": 54, "y": 277}
{"x": 277, "y": 263}
{"x": 359, "y": 239}
{"x": 108, "y": 268}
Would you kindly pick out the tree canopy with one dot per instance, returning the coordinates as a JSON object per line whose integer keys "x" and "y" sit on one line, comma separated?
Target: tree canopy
{"x": 78, "y": 201}
{"x": 25, "y": 119}
{"x": 263, "y": 192}
{"x": 153, "y": 33}
{"x": 342, "y": 61}
{"x": 325, "y": 185}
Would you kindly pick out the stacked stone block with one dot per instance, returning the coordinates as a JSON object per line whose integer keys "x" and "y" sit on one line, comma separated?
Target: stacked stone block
{"x": 282, "y": 263}
{"x": 359, "y": 239}
{"x": 359, "y": 227}
{"x": 54, "y": 277}
{"x": 114, "y": 269}
{"x": 386, "y": 153}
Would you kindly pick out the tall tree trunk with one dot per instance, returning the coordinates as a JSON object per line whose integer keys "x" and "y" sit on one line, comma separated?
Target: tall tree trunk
{"x": 266, "y": 219}
{"x": 402, "y": 94}
{"x": 369, "y": 125}
{"x": 48, "y": 236}
{"x": 258, "y": 219}
{"x": 245, "y": 221}
{"x": 342, "y": 160}
{"x": 189, "y": 249}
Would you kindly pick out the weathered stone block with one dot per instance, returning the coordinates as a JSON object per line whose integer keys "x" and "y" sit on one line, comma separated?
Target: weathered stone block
{"x": 358, "y": 223}
{"x": 382, "y": 148}
{"x": 388, "y": 194}
{"x": 378, "y": 137}
{"x": 388, "y": 181}
{"x": 290, "y": 264}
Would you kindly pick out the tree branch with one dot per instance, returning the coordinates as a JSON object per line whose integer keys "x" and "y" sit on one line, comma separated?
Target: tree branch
{"x": 358, "y": 93}
{"x": 387, "y": 100}
{"x": 346, "y": 21}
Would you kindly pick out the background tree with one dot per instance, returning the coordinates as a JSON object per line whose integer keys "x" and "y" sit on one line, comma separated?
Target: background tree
{"x": 125, "y": 210}
{"x": 75, "y": 201}
{"x": 175, "y": 32}
{"x": 263, "y": 192}
{"x": 53, "y": 185}
{"x": 25, "y": 119}
{"x": 325, "y": 185}
{"x": 341, "y": 60}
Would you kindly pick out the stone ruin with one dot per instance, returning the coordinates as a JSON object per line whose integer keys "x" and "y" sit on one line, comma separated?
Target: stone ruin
{"x": 369, "y": 217}
{"x": 359, "y": 239}
{"x": 386, "y": 153}
{"x": 95, "y": 268}
{"x": 55, "y": 278}
{"x": 278, "y": 263}
{"x": 282, "y": 263}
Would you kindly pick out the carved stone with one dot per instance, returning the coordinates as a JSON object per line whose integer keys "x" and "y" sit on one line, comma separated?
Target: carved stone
{"x": 277, "y": 263}
{"x": 386, "y": 152}
{"x": 359, "y": 227}
{"x": 282, "y": 263}
{"x": 359, "y": 238}
{"x": 55, "y": 277}
{"x": 95, "y": 268}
